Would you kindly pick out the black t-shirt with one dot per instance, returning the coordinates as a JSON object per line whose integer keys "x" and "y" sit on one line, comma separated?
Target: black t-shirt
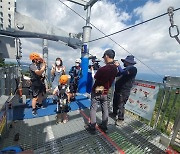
{"x": 35, "y": 79}
{"x": 126, "y": 79}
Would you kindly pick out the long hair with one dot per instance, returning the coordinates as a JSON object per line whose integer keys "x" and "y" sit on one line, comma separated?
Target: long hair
{"x": 60, "y": 61}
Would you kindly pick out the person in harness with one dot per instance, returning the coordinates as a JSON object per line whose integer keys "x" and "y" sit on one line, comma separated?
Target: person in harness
{"x": 61, "y": 91}
{"x": 38, "y": 89}
{"x": 75, "y": 73}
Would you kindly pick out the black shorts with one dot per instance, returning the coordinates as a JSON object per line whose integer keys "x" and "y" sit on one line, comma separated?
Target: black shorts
{"x": 36, "y": 90}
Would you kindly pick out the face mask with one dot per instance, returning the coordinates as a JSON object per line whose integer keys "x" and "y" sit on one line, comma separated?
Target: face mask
{"x": 76, "y": 64}
{"x": 58, "y": 63}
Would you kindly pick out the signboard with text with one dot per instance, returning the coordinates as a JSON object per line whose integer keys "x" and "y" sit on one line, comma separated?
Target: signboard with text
{"x": 143, "y": 98}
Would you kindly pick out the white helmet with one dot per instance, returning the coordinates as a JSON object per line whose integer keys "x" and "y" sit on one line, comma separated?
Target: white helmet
{"x": 78, "y": 61}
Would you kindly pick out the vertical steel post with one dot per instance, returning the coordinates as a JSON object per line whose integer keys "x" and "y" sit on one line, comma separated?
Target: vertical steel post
{"x": 160, "y": 107}
{"x": 85, "y": 53}
{"x": 45, "y": 57}
{"x": 165, "y": 106}
{"x": 176, "y": 128}
{"x": 45, "y": 54}
{"x": 173, "y": 107}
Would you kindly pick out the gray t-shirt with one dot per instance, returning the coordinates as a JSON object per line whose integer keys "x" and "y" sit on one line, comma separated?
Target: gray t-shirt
{"x": 33, "y": 67}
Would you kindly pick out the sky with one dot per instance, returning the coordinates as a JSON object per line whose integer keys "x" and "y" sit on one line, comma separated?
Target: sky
{"x": 155, "y": 51}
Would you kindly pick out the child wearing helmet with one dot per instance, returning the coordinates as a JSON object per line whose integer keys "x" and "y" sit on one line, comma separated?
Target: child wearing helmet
{"x": 37, "y": 68}
{"x": 61, "y": 91}
{"x": 75, "y": 73}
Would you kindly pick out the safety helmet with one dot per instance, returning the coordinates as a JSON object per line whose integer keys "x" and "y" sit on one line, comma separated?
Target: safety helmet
{"x": 34, "y": 55}
{"x": 78, "y": 61}
{"x": 63, "y": 79}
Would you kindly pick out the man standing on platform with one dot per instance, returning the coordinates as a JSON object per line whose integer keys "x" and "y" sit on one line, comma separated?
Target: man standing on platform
{"x": 103, "y": 80}
{"x": 123, "y": 87}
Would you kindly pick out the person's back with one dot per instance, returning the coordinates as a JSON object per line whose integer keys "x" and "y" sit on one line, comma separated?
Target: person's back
{"x": 105, "y": 76}
{"x": 103, "y": 80}
{"x": 125, "y": 81}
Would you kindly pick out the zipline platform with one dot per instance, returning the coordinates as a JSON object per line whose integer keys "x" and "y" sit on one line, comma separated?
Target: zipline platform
{"x": 44, "y": 136}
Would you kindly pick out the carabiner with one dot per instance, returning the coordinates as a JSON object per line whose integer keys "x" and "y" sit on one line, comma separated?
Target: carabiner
{"x": 170, "y": 31}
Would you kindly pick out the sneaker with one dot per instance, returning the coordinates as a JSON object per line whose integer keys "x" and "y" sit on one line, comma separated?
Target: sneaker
{"x": 112, "y": 115}
{"x": 40, "y": 106}
{"x": 16, "y": 137}
{"x": 37, "y": 105}
{"x": 65, "y": 121}
{"x": 57, "y": 122}
{"x": 73, "y": 99}
{"x": 54, "y": 101}
{"x": 103, "y": 128}
{"x": 90, "y": 129}
{"x": 119, "y": 122}
{"x": 34, "y": 112}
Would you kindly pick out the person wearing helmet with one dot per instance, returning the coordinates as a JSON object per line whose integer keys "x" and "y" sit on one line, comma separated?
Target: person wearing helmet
{"x": 75, "y": 73}
{"x": 57, "y": 70}
{"x": 62, "y": 93}
{"x": 37, "y": 68}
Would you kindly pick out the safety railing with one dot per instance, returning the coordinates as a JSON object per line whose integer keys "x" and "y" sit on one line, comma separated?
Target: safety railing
{"x": 8, "y": 76}
{"x": 8, "y": 86}
{"x": 166, "y": 114}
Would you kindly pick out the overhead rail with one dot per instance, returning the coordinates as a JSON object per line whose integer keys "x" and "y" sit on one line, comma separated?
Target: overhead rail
{"x": 14, "y": 24}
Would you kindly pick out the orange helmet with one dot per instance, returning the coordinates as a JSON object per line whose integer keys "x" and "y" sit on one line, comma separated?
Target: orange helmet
{"x": 34, "y": 55}
{"x": 63, "y": 79}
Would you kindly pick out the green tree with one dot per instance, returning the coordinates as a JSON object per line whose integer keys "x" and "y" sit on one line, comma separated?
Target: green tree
{"x": 2, "y": 63}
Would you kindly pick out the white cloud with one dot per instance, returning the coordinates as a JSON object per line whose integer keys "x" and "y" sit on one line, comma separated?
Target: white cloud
{"x": 150, "y": 43}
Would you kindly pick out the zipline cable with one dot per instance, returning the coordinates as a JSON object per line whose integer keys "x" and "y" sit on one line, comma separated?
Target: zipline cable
{"x": 132, "y": 26}
{"x": 119, "y": 32}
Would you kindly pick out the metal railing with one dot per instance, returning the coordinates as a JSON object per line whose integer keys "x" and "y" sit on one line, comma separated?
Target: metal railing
{"x": 167, "y": 113}
{"x": 8, "y": 76}
{"x": 167, "y": 110}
